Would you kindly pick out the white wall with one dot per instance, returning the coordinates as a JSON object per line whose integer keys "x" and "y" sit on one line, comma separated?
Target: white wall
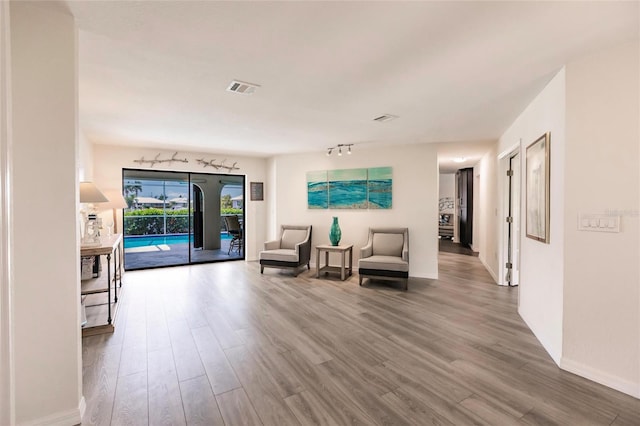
{"x": 602, "y": 281}
{"x": 415, "y": 200}
{"x": 580, "y": 294}
{"x": 270, "y": 197}
{"x": 110, "y": 160}
{"x": 44, "y": 255}
{"x": 85, "y": 158}
{"x": 542, "y": 265}
{"x": 486, "y": 214}
{"x": 447, "y": 189}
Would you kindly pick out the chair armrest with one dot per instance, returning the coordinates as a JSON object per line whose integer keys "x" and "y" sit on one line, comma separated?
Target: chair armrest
{"x": 272, "y": 245}
{"x": 405, "y": 248}
{"x": 303, "y": 250}
{"x": 366, "y": 251}
{"x": 405, "y": 255}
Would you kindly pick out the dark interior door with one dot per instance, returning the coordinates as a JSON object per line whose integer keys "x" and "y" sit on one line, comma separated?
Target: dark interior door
{"x": 464, "y": 179}
{"x": 198, "y": 229}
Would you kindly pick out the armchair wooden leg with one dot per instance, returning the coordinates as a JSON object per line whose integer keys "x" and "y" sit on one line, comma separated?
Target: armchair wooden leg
{"x": 406, "y": 284}
{"x": 360, "y": 281}
{"x": 261, "y": 269}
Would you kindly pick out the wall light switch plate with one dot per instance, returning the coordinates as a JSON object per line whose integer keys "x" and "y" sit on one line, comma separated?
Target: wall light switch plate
{"x": 598, "y": 222}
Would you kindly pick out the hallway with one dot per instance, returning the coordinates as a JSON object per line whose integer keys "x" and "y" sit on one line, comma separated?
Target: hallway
{"x": 451, "y": 247}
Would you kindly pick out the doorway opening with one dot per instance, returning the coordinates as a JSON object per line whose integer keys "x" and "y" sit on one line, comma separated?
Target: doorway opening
{"x": 512, "y": 266}
{"x": 176, "y": 218}
{"x": 465, "y": 204}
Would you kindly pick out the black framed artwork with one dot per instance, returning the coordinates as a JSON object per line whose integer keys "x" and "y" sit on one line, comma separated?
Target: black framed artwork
{"x": 256, "y": 191}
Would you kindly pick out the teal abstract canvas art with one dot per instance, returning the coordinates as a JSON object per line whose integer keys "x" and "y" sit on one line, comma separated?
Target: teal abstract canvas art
{"x": 317, "y": 190}
{"x": 348, "y": 189}
{"x": 379, "y": 188}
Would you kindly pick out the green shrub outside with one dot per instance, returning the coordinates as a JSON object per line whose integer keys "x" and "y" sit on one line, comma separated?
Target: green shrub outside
{"x": 150, "y": 221}
{"x": 226, "y": 211}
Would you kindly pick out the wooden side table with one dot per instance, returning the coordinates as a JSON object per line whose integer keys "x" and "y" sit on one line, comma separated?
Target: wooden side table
{"x": 111, "y": 248}
{"x": 343, "y": 250}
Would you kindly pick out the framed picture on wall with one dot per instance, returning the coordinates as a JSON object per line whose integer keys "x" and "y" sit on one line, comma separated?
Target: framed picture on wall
{"x": 537, "y": 185}
{"x": 256, "y": 191}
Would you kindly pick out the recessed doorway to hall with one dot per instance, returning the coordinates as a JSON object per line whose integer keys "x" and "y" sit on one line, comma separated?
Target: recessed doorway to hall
{"x": 181, "y": 218}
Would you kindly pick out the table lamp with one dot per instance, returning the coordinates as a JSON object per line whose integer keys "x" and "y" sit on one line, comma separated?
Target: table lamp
{"x": 116, "y": 201}
{"x": 90, "y": 194}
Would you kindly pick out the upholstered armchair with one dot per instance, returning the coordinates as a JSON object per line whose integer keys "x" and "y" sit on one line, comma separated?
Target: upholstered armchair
{"x": 291, "y": 250}
{"x": 386, "y": 255}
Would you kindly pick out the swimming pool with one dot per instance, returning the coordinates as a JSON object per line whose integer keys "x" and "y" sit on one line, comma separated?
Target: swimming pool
{"x": 154, "y": 240}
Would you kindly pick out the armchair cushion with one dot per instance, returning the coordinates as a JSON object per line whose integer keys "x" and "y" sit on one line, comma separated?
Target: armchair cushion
{"x": 387, "y": 244}
{"x": 280, "y": 255}
{"x": 291, "y": 237}
{"x": 272, "y": 245}
{"x": 386, "y": 263}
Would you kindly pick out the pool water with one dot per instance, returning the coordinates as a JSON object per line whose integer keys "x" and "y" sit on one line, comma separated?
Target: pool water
{"x": 154, "y": 240}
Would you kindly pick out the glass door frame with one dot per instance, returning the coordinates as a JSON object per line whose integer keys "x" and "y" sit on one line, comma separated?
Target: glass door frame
{"x": 219, "y": 257}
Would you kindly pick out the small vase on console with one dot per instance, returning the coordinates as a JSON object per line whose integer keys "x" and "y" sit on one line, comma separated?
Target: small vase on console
{"x": 335, "y": 233}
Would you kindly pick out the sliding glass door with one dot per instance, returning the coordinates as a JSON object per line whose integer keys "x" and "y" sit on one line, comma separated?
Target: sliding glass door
{"x": 179, "y": 218}
{"x": 217, "y": 206}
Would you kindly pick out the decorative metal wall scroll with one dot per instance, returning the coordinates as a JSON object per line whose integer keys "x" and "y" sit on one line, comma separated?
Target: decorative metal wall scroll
{"x": 158, "y": 160}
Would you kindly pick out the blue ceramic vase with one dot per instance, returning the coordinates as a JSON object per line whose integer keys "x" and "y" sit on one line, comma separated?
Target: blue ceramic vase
{"x": 335, "y": 233}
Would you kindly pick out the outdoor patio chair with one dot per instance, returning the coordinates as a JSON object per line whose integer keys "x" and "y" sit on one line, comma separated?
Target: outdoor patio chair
{"x": 235, "y": 230}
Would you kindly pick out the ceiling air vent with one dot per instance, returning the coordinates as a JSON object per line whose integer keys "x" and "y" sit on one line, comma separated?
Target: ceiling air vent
{"x": 385, "y": 117}
{"x": 242, "y": 87}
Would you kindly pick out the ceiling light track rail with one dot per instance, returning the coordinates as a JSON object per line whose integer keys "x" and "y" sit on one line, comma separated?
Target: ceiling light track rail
{"x": 339, "y": 147}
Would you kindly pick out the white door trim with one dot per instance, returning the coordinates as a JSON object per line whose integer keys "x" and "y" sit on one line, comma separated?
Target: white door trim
{"x": 503, "y": 208}
{"x": 7, "y": 376}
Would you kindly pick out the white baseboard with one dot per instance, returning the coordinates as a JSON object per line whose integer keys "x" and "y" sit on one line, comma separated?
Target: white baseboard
{"x": 431, "y": 276}
{"x": 556, "y": 355}
{"x": 606, "y": 379}
{"x": 82, "y": 407}
{"x": 65, "y": 418}
{"x": 488, "y": 268}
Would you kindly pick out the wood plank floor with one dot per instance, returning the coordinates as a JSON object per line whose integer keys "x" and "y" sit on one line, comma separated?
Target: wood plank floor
{"x": 221, "y": 344}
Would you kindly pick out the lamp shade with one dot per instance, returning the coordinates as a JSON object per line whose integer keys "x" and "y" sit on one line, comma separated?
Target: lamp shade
{"x": 89, "y": 193}
{"x": 116, "y": 200}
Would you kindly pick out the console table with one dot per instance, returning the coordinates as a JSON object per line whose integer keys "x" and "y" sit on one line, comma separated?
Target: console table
{"x": 342, "y": 250}
{"x": 111, "y": 248}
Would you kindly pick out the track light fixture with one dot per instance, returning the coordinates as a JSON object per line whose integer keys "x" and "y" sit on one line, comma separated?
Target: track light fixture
{"x": 339, "y": 148}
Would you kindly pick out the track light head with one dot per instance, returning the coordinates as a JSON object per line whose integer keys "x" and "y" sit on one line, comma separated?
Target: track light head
{"x": 339, "y": 148}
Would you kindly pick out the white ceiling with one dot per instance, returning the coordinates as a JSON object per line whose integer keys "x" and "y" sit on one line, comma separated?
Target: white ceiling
{"x": 458, "y": 155}
{"x": 155, "y": 73}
